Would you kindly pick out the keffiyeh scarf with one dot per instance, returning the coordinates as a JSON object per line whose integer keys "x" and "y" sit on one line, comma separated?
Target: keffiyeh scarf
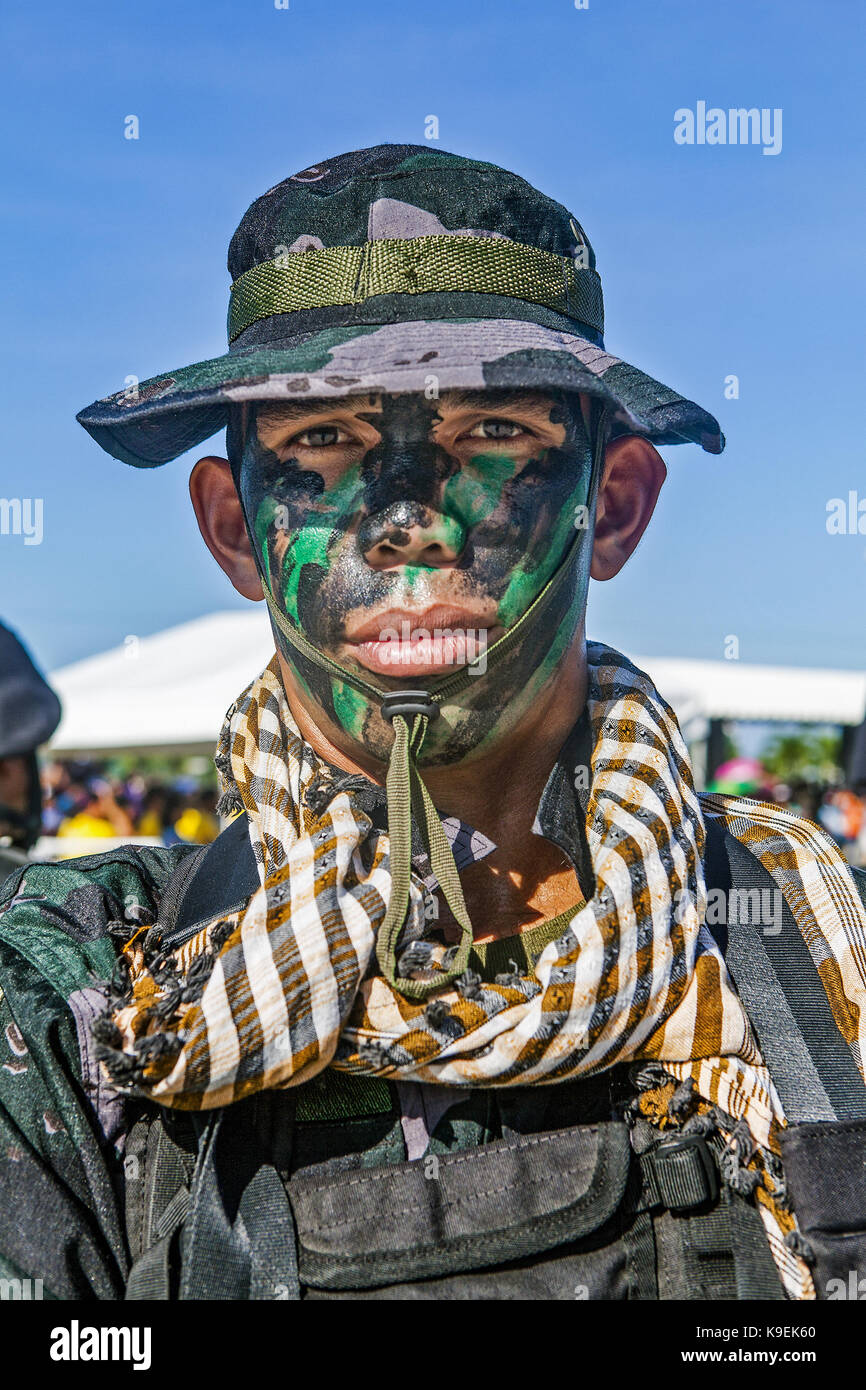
{"x": 288, "y": 985}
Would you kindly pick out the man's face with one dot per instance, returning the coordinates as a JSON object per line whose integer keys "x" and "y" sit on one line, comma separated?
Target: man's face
{"x": 403, "y": 535}
{"x": 15, "y": 795}
{"x": 15, "y": 783}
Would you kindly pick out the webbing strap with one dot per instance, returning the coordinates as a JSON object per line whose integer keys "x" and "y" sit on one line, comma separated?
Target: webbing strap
{"x": 754, "y": 1267}
{"x": 808, "y": 1059}
{"x": 339, "y": 275}
{"x": 216, "y": 1255}
{"x": 782, "y": 1044}
{"x": 176, "y": 886}
{"x": 250, "y": 1254}
{"x": 150, "y": 1277}
{"x": 405, "y": 788}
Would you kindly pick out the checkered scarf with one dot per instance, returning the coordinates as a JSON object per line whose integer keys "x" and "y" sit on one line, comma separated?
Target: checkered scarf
{"x": 287, "y": 985}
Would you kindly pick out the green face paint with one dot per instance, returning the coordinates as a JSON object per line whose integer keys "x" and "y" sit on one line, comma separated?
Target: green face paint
{"x": 534, "y": 569}
{"x": 407, "y": 540}
{"x": 308, "y": 545}
{"x": 473, "y": 494}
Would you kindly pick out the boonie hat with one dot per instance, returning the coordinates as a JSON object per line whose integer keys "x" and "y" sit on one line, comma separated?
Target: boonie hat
{"x": 400, "y": 268}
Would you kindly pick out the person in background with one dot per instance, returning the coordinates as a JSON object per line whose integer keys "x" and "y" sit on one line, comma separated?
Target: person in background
{"x": 29, "y": 714}
{"x": 197, "y": 822}
{"x": 804, "y": 800}
{"x": 56, "y": 800}
{"x": 189, "y": 815}
{"x": 841, "y": 815}
{"x": 153, "y": 811}
{"x": 99, "y": 814}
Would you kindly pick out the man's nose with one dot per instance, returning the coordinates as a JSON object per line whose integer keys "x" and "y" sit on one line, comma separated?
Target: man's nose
{"x": 411, "y": 533}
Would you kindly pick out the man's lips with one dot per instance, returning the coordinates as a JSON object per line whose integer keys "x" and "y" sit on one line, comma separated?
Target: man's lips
{"x": 439, "y": 616}
{"x": 399, "y": 642}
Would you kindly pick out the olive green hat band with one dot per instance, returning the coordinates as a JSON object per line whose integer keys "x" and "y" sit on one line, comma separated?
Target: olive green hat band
{"x": 411, "y": 712}
{"x": 344, "y": 275}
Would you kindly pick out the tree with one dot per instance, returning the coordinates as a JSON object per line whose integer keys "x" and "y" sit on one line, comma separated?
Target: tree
{"x": 805, "y": 756}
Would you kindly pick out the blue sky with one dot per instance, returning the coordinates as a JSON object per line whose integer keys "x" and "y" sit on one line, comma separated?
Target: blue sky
{"x": 716, "y": 260}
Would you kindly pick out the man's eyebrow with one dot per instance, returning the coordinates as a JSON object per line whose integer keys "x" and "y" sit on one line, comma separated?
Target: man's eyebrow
{"x": 500, "y": 398}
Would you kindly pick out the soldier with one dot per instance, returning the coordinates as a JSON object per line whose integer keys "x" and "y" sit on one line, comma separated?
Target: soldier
{"x": 471, "y": 936}
{"x": 29, "y": 714}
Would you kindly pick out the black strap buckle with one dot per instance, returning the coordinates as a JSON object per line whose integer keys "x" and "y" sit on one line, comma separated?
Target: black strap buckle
{"x": 681, "y": 1173}
{"x": 409, "y": 703}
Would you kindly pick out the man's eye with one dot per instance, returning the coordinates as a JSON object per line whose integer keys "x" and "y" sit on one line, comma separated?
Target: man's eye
{"x": 496, "y": 429}
{"x": 321, "y": 437}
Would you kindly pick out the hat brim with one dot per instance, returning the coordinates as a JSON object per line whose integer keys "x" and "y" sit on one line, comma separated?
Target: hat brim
{"x": 149, "y": 424}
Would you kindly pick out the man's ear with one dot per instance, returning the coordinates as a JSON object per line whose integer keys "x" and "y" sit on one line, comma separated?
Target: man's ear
{"x": 630, "y": 485}
{"x": 221, "y": 522}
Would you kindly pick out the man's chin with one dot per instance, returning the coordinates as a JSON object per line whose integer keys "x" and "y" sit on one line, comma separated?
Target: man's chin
{"x": 368, "y": 746}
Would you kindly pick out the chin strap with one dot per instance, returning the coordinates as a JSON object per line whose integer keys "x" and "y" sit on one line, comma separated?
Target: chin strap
{"x": 411, "y": 712}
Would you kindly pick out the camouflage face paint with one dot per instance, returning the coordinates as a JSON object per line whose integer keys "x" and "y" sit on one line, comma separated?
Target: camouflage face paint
{"x": 414, "y": 520}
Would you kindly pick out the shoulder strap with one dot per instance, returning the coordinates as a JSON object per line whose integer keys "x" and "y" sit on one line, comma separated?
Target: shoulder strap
{"x": 173, "y": 1187}
{"x": 210, "y": 883}
{"x": 224, "y": 1194}
{"x": 859, "y": 877}
{"x": 172, "y": 894}
{"x": 771, "y": 965}
{"x": 158, "y": 1173}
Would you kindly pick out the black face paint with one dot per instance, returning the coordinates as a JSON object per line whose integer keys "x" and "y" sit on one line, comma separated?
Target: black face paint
{"x": 410, "y": 528}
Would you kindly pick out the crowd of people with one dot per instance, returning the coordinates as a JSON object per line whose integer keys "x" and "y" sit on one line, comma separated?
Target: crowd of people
{"x": 81, "y": 800}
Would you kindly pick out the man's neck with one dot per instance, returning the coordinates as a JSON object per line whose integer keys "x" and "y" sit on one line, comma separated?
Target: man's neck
{"x": 498, "y": 792}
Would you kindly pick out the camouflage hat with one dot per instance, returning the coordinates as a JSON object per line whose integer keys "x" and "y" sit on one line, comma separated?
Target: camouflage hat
{"x": 399, "y": 268}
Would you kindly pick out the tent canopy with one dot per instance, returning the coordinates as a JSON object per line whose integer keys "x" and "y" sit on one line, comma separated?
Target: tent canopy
{"x": 169, "y": 693}
{"x": 162, "y": 694}
{"x": 769, "y": 694}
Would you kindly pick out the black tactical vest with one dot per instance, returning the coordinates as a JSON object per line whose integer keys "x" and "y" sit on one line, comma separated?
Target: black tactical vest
{"x": 588, "y": 1207}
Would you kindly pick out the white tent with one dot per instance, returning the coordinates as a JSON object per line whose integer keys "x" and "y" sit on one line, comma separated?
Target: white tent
{"x": 782, "y": 694}
{"x": 169, "y": 692}
{"x": 162, "y": 694}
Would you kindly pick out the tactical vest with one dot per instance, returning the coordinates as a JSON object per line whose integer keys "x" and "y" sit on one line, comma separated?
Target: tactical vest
{"x": 230, "y": 1206}
{"x": 523, "y": 1193}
